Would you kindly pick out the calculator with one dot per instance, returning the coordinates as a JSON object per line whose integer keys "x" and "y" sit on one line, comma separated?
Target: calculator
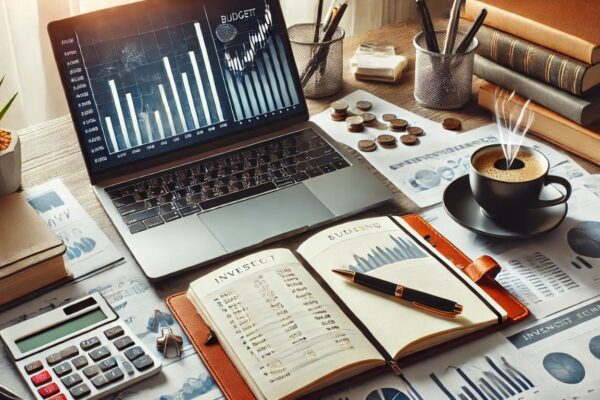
{"x": 79, "y": 351}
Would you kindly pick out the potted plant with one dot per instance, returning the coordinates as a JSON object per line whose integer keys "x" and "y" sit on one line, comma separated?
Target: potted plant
{"x": 10, "y": 155}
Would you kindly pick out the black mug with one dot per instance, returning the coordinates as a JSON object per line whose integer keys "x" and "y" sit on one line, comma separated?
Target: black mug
{"x": 507, "y": 201}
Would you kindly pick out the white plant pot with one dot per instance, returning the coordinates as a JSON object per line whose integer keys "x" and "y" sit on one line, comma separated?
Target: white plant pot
{"x": 10, "y": 167}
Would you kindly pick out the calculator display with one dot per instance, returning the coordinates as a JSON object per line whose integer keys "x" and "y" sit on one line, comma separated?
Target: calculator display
{"x": 59, "y": 331}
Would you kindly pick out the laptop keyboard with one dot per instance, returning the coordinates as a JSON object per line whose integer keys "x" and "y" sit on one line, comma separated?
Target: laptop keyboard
{"x": 204, "y": 185}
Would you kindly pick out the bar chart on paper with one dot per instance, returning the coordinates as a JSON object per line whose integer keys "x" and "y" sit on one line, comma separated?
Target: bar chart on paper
{"x": 154, "y": 84}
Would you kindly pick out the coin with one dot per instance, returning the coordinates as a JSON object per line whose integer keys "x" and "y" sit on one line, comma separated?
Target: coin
{"x": 340, "y": 106}
{"x": 355, "y": 121}
{"x": 398, "y": 124}
{"x": 387, "y": 141}
{"x": 368, "y": 118}
{"x": 452, "y": 124}
{"x": 364, "y": 105}
{"x": 388, "y": 117}
{"x": 338, "y": 117}
{"x": 415, "y": 130}
{"x": 409, "y": 140}
{"x": 367, "y": 145}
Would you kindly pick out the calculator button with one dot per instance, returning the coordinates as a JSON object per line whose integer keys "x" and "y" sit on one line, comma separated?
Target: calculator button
{"x": 114, "y": 374}
{"x": 144, "y": 362}
{"x": 127, "y": 367}
{"x": 33, "y": 366}
{"x": 123, "y": 343}
{"x": 133, "y": 353}
{"x": 89, "y": 343}
{"x": 113, "y": 332}
{"x": 40, "y": 378}
{"x": 80, "y": 362}
{"x": 54, "y": 358}
{"x": 48, "y": 390}
{"x": 71, "y": 380}
{"x": 99, "y": 354}
{"x": 59, "y": 397}
{"x": 63, "y": 369}
{"x": 90, "y": 371}
{"x": 99, "y": 381}
{"x": 80, "y": 391}
{"x": 107, "y": 364}
{"x": 69, "y": 352}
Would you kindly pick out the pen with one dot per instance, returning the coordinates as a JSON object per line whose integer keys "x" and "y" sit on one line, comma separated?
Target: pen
{"x": 466, "y": 42}
{"x": 318, "y": 21}
{"x": 428, "y": 30}
{"x": 422, "y": 300}
{"x": 452, "y": 27}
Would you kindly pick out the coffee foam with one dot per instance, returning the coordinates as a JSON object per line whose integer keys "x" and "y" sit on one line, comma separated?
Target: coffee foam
{"x": 533, "y": 168}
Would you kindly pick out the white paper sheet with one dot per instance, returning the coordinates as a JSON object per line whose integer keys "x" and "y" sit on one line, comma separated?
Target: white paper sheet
{"x": 421, "y": 172}
{"x": 566, "y": 348}
{"x": 489, "y": 368}
{"x": 88, "y": 248}
{"x": 548, "y": 273}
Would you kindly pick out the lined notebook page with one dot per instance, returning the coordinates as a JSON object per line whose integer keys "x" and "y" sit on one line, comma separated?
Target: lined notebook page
{"x": 280, "y": 328}
{"x": 378, "y": 247}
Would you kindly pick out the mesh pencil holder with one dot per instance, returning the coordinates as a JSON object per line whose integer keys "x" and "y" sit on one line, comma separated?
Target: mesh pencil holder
{"x": 443, "y": 81}
{"x": 320, "y": 65}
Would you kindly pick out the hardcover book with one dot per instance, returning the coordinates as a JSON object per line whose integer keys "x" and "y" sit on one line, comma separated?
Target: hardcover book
{"x": 291, "y": 326}
{"x": 583, "y": 110}
{"x": 550, "y": 126}
{"x": 568, "y": 27}
{"x": 537, "y": 62}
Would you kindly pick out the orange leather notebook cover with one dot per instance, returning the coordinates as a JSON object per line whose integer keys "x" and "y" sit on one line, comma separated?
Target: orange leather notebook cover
{"x": 233, "y": 386}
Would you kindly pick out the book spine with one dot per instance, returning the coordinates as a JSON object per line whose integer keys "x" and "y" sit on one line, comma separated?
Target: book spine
{"x": 563, "y": 103}
{"x": 551, "y": 130}
{"x": 533, "y": 31}
{"x": 534, "y": 61}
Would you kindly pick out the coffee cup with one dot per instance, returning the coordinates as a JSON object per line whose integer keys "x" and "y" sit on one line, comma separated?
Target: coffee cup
{"x": 507, "y": 192}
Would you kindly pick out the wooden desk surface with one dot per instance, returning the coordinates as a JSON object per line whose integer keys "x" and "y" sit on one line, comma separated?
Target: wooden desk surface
{"x": 51, "y": 150}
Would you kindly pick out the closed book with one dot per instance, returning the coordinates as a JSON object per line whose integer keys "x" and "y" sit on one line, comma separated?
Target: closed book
{"x": 537, "y": 62}
{"x": 32, "y": 255}
{"x": 568, "y": 27}
{"x": 582, "y": 110}
{"x": 550, "y": 126}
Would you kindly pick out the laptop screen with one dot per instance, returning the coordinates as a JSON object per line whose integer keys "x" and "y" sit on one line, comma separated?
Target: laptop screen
{"x": 156, "y": 76}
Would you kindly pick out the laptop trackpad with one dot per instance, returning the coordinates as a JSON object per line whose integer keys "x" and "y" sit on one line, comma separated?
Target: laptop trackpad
{"x": 252, "y": 221}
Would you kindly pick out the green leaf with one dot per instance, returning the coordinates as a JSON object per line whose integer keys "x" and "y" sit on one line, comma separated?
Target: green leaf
{"x": 7, "y": 106}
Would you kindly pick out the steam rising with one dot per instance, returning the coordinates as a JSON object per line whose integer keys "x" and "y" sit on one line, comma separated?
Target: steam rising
{"x": 513, "y": 123}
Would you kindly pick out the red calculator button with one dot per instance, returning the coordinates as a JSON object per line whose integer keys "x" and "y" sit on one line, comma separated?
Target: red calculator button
{"x": 40, "y": 378}
{"x": 48, "y": 390}
{"x": 59, "y": 397}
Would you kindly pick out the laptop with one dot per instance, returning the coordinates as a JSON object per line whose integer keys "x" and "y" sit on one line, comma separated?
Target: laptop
{"x": 195, "y": 132}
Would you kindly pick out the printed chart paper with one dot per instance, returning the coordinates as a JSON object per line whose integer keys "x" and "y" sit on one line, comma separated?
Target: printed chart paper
{"x": 421, "y": 172}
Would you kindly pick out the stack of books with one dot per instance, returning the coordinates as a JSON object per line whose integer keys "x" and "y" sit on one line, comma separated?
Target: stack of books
{"x": 547, "y": 51}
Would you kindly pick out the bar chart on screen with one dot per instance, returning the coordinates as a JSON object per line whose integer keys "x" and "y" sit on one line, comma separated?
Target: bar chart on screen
{"x": 155, "y": 84}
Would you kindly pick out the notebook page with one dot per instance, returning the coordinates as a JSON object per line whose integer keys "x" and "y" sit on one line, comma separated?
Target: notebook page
{"x": 378, "y": 247}
{"x": 280, "y": 328}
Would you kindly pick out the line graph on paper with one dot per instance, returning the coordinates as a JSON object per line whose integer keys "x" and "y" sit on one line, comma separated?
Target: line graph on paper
{"x": 398, "y": 249}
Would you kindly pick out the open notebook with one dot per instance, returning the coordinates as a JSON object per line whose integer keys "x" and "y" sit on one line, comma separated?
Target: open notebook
{"x": 291, "y": 326}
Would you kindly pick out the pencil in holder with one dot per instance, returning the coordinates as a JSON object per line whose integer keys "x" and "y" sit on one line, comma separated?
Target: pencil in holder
{"x": 320, "y": 65}
{"x": 443, "y": 81}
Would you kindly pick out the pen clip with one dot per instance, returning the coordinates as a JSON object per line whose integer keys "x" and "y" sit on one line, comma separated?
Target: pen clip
{"x": 435, "y": 310}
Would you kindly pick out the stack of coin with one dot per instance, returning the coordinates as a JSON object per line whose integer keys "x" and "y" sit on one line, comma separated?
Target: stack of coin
{"x": 364, "y": 105}
{"x": 367, "y": 145}
{"x": 339, "y": 110}
{"x": 368, "y": 118}
{"x": 452, "y": 124}
{"x": 409, "y": 140}
{"x": 398, "y": 125}
{"x": 386, "y": 141}
{"x": 355, "y": 124}
{"x": 415, "y": 131}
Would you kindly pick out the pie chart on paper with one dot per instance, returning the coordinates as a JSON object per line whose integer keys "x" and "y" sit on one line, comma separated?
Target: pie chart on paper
{"x": 584, "y": 239}
{"x": 564, "y": 368}
{"x": 595, "y": 346}
{"x": 387, "y": 394}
